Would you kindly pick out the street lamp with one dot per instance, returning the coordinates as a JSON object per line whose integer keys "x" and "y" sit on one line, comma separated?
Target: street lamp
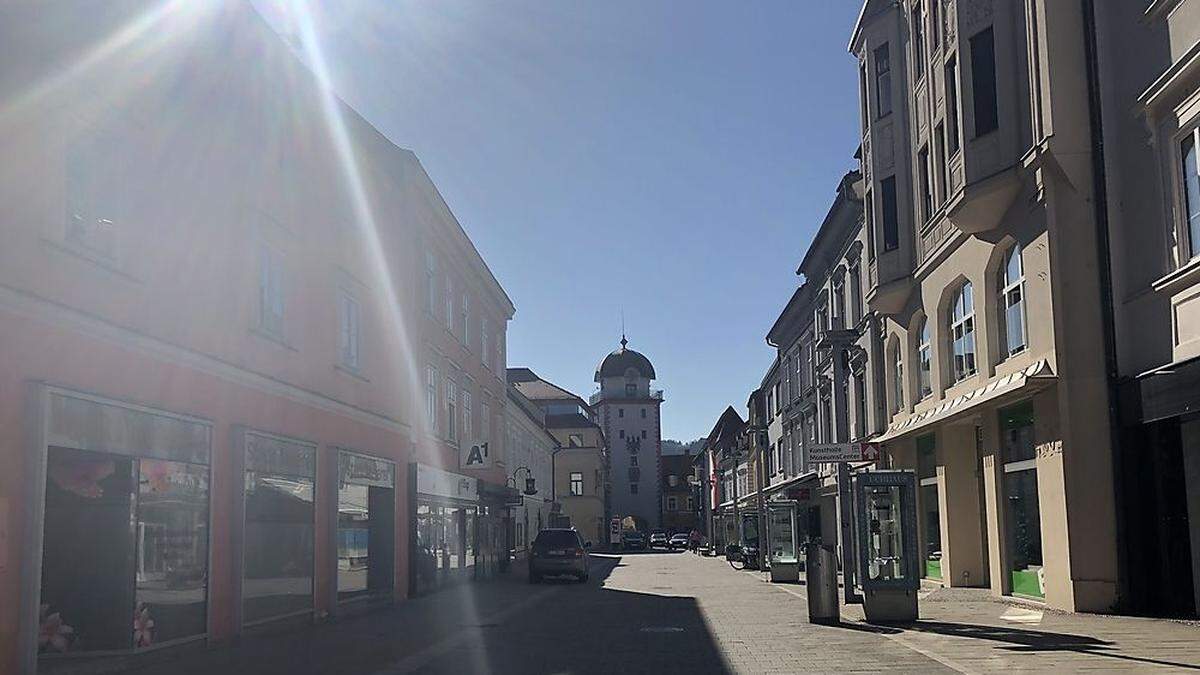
{"x": 530, "y": 481}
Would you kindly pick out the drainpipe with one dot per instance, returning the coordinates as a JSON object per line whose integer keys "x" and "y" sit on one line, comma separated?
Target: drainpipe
{"x": 1104, "y": 243}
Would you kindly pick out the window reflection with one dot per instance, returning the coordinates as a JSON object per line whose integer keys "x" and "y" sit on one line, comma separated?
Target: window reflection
{"x": 365, "y": 526}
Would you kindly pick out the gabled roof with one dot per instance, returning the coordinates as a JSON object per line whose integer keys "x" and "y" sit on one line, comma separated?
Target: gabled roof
{"x": 793, "y": 317}
{"x": 535, "y": 388}
{"x": 726, "y": 430}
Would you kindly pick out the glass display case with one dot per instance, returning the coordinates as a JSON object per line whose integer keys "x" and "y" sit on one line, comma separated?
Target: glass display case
{"x": 886, "y": 515}
{"x": 782, "y": 541}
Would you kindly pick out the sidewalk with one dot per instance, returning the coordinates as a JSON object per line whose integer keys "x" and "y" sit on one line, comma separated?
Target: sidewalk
{"x": 971, "y": 631}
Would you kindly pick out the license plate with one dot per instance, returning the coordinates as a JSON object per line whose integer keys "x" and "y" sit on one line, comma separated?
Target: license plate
{"x": 557, "y": 551}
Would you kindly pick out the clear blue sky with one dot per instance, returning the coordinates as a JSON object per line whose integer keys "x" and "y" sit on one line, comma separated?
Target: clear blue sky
{"x": 671, "y": 160}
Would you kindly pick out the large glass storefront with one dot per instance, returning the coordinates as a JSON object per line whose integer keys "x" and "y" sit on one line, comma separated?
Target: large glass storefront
{"x": 1023, "y": 520}
{"x": 278, "y": 535}
{"x": 366, "y": 526}
{"x": 927, "y": 498}
{"x": 458, "y": 537}
{"x": 125, "y": 529}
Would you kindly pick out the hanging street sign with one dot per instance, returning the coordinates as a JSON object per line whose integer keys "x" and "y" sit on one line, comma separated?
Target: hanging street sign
{"x": 834, "y": 453}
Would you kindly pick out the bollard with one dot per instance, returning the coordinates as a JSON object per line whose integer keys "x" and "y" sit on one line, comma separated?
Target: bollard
{"x": 822, "y": 584}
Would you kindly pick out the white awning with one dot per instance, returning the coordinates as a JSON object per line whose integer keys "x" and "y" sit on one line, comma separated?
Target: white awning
{"x": 1035, "y": 376}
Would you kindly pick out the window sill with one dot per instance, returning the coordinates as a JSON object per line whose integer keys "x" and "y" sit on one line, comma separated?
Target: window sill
{"x": 1186, "y": 276}
{"x": 351, "y": 371}
{"x": 272, "y": 337}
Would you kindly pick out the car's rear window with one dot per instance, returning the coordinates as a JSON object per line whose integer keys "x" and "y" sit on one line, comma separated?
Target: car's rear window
{"x": 557, "y": 538}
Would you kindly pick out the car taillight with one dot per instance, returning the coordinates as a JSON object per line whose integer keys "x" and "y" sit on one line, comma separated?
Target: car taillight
{"x": 578, "y": 553}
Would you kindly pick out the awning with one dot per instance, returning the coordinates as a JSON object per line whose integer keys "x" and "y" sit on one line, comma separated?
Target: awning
{"x": 1035, "y": 377}
{"x": 791, "y": 483}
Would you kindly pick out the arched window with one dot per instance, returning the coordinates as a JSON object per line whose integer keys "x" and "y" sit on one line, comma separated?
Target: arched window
{"x": 962, "y": 333}
{"x": 1012, "y": 303}
{"x": 924, "y": 360}
{"x": 897, "y": 378}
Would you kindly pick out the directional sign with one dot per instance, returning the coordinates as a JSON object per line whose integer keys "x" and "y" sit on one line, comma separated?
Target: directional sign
{"x": 834, "y": 453}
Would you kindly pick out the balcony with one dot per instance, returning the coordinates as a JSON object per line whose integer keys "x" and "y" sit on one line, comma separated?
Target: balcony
{"x": 596, "y": 397}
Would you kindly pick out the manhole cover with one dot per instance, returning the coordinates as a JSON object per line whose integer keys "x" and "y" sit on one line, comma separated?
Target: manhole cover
{"x": 662, "y": 629}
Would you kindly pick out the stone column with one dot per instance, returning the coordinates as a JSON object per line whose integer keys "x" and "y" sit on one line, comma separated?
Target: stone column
{"x": 993, "y": 498}
{"x": 958, "y": 507}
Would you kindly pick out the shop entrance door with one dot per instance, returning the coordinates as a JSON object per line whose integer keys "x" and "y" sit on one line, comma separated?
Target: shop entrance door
{"x": 1158, "y": 559}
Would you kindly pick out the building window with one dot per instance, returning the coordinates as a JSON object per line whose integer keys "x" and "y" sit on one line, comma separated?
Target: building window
{"x": 1023, "y": 526}
{"x": 925, "y": 184}
{"x": 897, "y": 378}
{"x": 672, "y": 504}
{"x": 270, "y": 291}
{"x": 575, "y": 441}
{"x": 962, "y": 333}
{"x": 451, "y": 409}
{"x": 431, "y": 302}
{"x": 691, "y": 502}
{"x": 839, "y": 305}
{"x": 621, "y": 433}
{"x": 431, "y": 401}
{"x": 633, "y": 488}
{"x": 643, "y": 413}
{"x": 860, "y": 405}
{"x": 630, "y": 390}
{"x": 951, "y": 81}
{"x": 883, "y": 82}
{"x": 464, "y": 313}
{"x": 485, "y": 421}
{"x": 1191, "y": 191}
{"x": 468, "y": 420}
{"x": 576, "y": 484}
{"x": 891, "y": 214}
{"x": 856, "y": 310}
{"x": 643, "y": 433}
{"x": 620, "y": 412}
{"x": 485, "y": 357}
{"x": 94, "y": 195}
{"x": 348, "y": 330}
{"x": 449, "y": 304}
{"x": 939, "y": 146}
{"x": 924, "y": 360}
{"x": 770, "y": 403}
{"x": 869, "y": 223}
{"x": 918, "y": 41}
{"x": 1012, "y": 302}
{"x": 983, "y": 82}
{"x": 935, "y": 23}
{"x": 862, "y": 95}
{"x": 500, "y": 362}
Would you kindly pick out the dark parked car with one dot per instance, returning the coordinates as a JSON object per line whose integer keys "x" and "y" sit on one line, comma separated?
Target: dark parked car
{"x": 679, "y": 540}
{"x": 558, "y": 552}
{"x": 633, "y": 540}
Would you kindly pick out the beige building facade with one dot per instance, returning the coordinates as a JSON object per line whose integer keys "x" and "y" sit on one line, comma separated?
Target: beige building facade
{"x": 982, "y": 259}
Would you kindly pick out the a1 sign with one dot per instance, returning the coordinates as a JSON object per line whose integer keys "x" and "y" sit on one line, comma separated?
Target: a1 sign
{"x": 476, "y": 456}
{"x": 835, "y": 453}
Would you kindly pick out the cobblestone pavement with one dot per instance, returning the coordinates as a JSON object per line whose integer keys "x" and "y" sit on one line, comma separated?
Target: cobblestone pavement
{"x": 676, "y": 612}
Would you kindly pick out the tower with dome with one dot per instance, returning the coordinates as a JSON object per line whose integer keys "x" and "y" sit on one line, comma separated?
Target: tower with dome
{"x": 628, "y": 410}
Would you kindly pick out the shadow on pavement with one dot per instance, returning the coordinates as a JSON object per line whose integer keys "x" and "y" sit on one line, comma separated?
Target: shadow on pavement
{"x": 1017, "y": 639}
{"x": 497, "y": 626}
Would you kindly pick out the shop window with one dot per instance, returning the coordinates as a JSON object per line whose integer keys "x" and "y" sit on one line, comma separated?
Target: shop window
{"x": 962, "y": 333}
{"x": 576, "y": 484}
{"x": 278, "y": 539}
{"x": 924, "y": 360}
{"x": 365, "y": 526}
{"x": 1023, "y": 522}
{"x": 927, "y": 501}
{"x": 125, "y": 538}
{"x": 1012, "y": 302}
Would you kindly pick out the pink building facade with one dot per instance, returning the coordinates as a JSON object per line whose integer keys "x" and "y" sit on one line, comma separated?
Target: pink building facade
{"x": 226, "y": 342}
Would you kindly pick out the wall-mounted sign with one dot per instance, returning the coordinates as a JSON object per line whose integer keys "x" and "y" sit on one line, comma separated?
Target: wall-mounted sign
{"x": 834, "y": 453}
{"x": 441, "y": 483}
{"x": 475, "y": 456}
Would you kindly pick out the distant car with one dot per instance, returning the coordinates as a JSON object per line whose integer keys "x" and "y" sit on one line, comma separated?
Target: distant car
{"x": 558, "y": 552}
{"x": 633, "y": 541}
{"x": 659, "y": 540}
{"x": 678, "y": 540}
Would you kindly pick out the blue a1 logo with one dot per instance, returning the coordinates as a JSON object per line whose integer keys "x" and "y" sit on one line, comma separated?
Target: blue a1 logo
{"x": 476, "y": 456}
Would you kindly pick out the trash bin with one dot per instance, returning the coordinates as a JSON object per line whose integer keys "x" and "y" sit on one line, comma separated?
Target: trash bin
{"x": 822, "y": 584}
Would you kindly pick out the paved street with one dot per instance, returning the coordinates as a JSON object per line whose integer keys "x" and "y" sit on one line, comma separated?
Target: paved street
{"x": 660, "y": 612}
